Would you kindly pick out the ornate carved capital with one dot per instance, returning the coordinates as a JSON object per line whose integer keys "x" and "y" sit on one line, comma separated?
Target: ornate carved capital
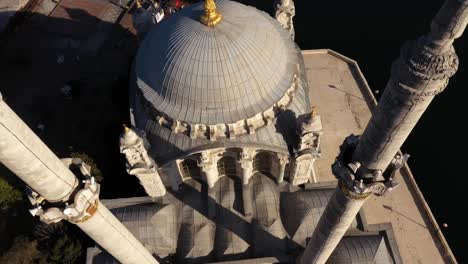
{"x": 208, "y": 160}
{"x": 283, "y": 159}
{"x": 247, "y": 155}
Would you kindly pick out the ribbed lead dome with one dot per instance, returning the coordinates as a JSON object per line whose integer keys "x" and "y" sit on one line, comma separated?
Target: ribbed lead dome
{"x": 233, "y": 71}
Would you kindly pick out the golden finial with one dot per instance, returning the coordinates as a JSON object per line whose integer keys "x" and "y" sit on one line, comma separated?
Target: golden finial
{"x": 126, "y": 129}
{"x": 138, "y": 5}
{"x": 313, "y": 112}
{"x": 211, "y": 16}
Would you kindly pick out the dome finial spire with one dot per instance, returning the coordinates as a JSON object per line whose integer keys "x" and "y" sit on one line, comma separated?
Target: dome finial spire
{"x": 211, "y": 16}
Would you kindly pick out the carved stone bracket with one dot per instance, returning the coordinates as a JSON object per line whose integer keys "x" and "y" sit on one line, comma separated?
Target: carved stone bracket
{"x": 85, "y": 201}
{"x": 355, "y": 187}
{"x": 309, "y": 132}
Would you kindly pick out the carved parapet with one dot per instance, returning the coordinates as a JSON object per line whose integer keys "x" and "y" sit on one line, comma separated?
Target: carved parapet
{"x": 84, "y": 202}
{"x": 269, "y": 115}
{"x": 345, "y": 171}
{"x": 255, "y": 122}
{"x": 198, "y": 131}
{"x": 219, "y": 131}
{"x": 180, "y": 127}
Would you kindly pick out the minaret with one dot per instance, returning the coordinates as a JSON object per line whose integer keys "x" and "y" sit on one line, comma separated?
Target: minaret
{"x": 366, "y": 164}
{"x": 60, "y": 195}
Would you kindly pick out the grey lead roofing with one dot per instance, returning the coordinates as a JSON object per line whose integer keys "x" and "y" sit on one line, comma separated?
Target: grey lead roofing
{"x": 278, "y": 136}
{"x": 214, "y": 75}
{"x": 197, "y": 225}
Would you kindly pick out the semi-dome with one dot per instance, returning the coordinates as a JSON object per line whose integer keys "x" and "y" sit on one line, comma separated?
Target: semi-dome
{"x": 240, "y": 71}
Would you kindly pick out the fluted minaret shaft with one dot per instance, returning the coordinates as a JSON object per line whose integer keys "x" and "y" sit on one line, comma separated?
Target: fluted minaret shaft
{"x": 30, "y": 159}
{"x": 421, "y": 72}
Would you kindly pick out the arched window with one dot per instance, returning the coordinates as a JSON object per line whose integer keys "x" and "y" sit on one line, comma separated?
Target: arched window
{"x": 262, "y": 162}
{"x": 190, "y": 169}
{"x": 227, "y": 166}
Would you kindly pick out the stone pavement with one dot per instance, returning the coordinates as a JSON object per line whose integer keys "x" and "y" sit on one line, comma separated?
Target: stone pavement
{"x": 344, "y": 102}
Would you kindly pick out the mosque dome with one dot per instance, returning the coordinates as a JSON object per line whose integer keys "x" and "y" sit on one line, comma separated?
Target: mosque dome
{"x": 238, "y": 71}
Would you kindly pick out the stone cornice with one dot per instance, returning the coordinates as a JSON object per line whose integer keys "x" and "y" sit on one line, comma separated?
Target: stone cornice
{"x": 230, "y": 130}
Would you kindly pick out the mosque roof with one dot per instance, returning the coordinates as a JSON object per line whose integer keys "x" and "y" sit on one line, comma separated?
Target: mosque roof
{"x": 246, "y": 66}
{"x": 194, "y": 229}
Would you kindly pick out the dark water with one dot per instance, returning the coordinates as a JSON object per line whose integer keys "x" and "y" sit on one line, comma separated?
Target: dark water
{"x": 371, "y": 32}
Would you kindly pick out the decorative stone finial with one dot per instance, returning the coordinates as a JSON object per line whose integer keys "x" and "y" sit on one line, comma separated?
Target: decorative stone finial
{"x": 211, "y": 16}
{"x": 126, "y": 129}
{"x": 313, "y": 112}
{"x": 138, "y": 3}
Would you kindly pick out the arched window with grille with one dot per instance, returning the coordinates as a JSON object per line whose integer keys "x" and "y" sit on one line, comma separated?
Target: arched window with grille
{"x": 262, "y": 162}
{"x": 190, "y": 169}
{"x": 227, "y": 166}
